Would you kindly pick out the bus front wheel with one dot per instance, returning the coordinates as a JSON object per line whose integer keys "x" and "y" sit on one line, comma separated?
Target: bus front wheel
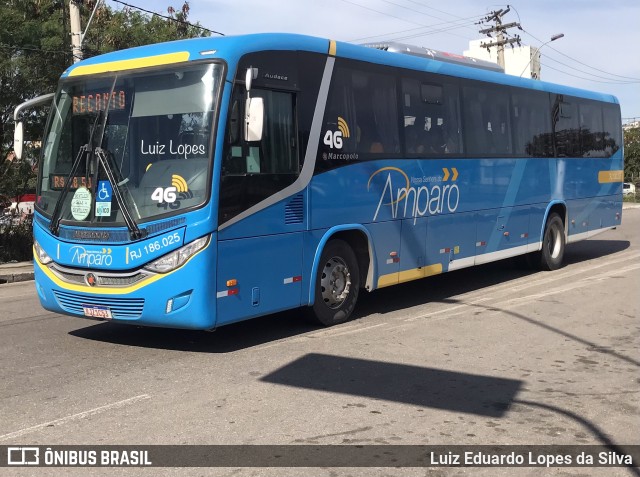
{"x": 337, "y": 284}
{"x": 553, "y": 243}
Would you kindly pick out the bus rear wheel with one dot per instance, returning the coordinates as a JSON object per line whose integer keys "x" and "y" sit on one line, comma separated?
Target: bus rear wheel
{"x": 337, "y": 284}
{"x": 553, "y": 244}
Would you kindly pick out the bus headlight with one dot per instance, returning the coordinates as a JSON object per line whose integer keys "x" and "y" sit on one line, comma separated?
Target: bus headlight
{"x": 42, "y": 256}
{"x": 177, "y": 258}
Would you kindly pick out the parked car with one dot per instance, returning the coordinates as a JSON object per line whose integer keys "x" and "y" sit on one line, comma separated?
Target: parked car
{"x": 628, "y": 189}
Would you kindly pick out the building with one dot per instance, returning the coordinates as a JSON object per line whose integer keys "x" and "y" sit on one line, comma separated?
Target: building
{"x": 518, "y": 60}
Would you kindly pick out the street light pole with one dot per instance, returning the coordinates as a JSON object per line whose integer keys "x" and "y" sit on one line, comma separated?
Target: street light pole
{"x": 553, "y": 38}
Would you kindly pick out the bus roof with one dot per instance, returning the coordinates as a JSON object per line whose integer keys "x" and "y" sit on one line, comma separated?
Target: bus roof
{"x": 232, "y": 48}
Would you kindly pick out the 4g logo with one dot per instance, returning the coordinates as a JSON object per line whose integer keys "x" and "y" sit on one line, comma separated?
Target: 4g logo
{"x": 333, "y": 139}
{"x": 169, "y": 195}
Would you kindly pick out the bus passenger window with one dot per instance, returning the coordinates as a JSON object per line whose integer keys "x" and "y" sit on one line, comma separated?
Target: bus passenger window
{"x": 434, "y": 109}
{"x": 360, "y": 119}
{"x": 486, "y": 121}
{"x": 612, "y": 128}
{"x": 591, "y": 129}
{"x": 566, "y": 127}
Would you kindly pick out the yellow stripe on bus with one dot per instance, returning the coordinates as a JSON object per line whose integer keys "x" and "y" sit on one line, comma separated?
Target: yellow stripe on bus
{"x": 332, "y": 47}
{"x": 95, "y": 290}
{"x": 108, "y": 290}
{"x": 607, "y": 177}
{"x": 408, "y": 275}
{"x": 131, "y": 64}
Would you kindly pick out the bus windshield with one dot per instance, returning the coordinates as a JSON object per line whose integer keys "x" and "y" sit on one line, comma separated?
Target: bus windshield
{"x": 152, "y": 132}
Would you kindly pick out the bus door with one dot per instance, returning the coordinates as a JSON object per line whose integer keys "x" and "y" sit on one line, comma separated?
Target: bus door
{"x": 260, "y": 239}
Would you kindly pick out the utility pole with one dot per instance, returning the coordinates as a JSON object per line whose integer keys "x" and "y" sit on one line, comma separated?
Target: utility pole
{"x": 76, "y": 30}
{"x": 499, "y": 29}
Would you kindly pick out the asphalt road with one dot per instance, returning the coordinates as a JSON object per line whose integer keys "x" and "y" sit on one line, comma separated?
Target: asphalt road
{"x": 491, "y": 355}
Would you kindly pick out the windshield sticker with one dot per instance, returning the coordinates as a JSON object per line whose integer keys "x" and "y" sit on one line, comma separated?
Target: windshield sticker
{"x": 103, "y": 199}
{"x": 81, "y": 204}
{"x": 181, "y": 150}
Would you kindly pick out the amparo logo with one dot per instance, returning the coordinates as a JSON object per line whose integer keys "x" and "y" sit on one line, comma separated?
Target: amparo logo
{"x": 415, "y": 197}
{"x": 88, "y": 258}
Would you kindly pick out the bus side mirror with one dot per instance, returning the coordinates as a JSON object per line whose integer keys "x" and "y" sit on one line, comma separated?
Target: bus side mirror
{"x": 254, "y": 119}
{"x": 18, "y": 140}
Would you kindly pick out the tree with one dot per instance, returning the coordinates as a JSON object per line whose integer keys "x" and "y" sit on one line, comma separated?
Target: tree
{"x": 632, "y": 154}
{"x": 35, "y": 48}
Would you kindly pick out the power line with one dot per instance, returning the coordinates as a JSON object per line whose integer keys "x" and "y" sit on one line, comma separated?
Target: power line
{"x": 421, "y": 25}
{"x": 453, "y": 26}
{"x": 27, "y": 48}
{"x": 580, "y": 62}
{"x": 610, "y": 80}
{"x": 587, "y": 79}
{"x": 168, "y": 18}
{"x": 423, "y": 13}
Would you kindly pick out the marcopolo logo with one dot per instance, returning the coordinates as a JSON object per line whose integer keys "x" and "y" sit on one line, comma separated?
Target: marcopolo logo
{"x": 88, "y": 258}
{"x": 415, "y": 197}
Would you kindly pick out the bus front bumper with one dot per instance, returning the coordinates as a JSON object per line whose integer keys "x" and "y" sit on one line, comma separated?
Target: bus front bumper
{"x": 183, "y": 298}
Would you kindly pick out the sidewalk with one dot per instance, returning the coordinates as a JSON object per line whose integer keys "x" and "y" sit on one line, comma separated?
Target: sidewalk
{"x": 22, "y": 271}
{"x": 16, "y": 272}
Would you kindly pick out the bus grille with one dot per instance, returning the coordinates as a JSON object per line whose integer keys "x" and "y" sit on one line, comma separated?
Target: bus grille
{"x": 294, "y": 210}
{"x": 102, "y": 280}
{"x": 127, "y": 308}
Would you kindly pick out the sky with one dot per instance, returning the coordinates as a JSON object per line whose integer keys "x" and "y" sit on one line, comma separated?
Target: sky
{"x": 599, "y": 50}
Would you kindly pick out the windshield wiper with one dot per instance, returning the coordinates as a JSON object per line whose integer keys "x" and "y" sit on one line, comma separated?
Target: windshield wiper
{"x": 134, "y": 231}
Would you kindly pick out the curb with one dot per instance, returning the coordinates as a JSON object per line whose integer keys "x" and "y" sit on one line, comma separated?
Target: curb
{"x": 16, "y": 277}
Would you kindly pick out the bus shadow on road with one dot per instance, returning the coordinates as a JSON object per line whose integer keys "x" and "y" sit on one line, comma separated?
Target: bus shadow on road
{"x": 439, "y": 288}
{"x": 593, "y": 249}
{"x": 454, "y": 391}
{"x": 227, "y": 339}
{"x": 289, "y": 324}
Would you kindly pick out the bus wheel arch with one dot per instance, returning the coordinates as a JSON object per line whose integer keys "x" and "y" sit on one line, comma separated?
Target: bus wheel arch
{"x": 554, "y": 239}
{"x": 343, "y": 265}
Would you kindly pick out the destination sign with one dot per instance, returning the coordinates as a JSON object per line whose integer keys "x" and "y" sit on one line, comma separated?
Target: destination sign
{"x": 99, "y": 101}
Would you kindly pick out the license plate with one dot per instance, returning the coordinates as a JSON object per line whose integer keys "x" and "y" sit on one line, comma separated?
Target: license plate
{"x": 94, "y": 311}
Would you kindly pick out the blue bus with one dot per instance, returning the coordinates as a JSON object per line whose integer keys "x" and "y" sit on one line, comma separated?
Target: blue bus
{"x": 197, "y": 183}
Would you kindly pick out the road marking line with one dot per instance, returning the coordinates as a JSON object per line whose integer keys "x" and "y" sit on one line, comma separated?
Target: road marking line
{"x": 513, "y": 302}
{"x": 515, "y": 287}
{"x": 527, "y": 281}
{"x": 75, "y": 417}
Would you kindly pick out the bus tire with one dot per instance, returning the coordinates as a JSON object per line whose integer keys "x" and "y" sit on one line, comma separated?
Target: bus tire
{"x": 337, "y": 284}
{"x": 553, "y": 244}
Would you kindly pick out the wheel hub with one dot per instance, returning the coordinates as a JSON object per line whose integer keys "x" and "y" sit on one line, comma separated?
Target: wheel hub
{"x": 335, "y": 282}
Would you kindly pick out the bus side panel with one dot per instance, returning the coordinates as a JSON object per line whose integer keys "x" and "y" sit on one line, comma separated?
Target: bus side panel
{"x": 604, "y": 214}
{"x": 451, "y": 240}
{"x": 386, "y": 238}
{"x": 578, "y": 212}
{"x": 413, "y": 251}
{"x": 268, "y": 275}
{"x": 536, "y": 218}
{"x": 502, "y": 229}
